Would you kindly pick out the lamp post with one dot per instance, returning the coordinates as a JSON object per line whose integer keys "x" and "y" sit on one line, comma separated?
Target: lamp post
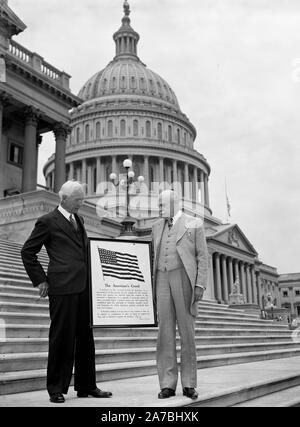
{"x": 128, "y": 222}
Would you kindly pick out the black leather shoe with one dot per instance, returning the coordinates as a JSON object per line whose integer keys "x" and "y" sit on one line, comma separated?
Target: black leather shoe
{"x": 166, "y": 393}
{"x": 57, "y": 398}
{"x": 95, "y": 393}
{"x": 190, "y": 392}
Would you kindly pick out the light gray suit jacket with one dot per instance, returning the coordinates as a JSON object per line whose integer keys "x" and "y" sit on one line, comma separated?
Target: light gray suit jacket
{"x": 192, "y": 249}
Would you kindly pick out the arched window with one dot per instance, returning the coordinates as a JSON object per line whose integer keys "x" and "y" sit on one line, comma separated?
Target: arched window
{"x": 123, "y": 128}
{"x": 110, "y": 129}
{"x": 135, "y": 128}
{"x": 170, "y": 136}
{"x": 159, "y": 131}
{"x": 148, "y": 129}
{"x": 178, "y": 136}
{"x": 78, "y": 135}
{"x": 123, "y": 82}
{"x": 87, "y": 132}
{"x": 184, "y": 138}
{"x": 98, "y": 130}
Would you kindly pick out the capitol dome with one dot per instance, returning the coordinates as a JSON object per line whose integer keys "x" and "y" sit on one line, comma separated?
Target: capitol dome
{"x": 128, "y": 77}
{"x": 128, "y": 111}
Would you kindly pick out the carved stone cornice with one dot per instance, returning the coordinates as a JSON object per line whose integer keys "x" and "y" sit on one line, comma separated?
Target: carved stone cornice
{"x": 61, "y": 131}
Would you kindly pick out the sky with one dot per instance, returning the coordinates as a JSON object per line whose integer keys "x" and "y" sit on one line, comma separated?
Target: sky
{"x": 235, "y": 68}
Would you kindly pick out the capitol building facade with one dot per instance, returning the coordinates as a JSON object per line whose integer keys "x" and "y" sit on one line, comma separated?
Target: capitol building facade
{"x": 128, "y": 111}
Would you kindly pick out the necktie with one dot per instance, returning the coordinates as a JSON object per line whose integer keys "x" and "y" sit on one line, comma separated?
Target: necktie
{"x": 170, "y": 223}
{"x": 73, "y": 222}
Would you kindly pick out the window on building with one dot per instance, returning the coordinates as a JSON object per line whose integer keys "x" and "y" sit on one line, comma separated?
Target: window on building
{"x": 98, "y": 130}
{"x": 148, "y": 129}
{"x": 78, "y": 135}
{"x": 123, "y": 128}
{"x": 170, "y": 136}
{"x": 297, "y": 293}
{"x": 159, "y": 131}
{"x": 87, "y": 132}
{"x": 135, "y": 128}
{"x": 15, "y": 154}
{"x": 178, "y": 136}
{"x": 285, "y": 294}
{"x": 110, "y": 129}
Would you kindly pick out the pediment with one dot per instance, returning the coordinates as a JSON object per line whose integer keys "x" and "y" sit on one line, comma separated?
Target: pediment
{"x": 232, "y": 235}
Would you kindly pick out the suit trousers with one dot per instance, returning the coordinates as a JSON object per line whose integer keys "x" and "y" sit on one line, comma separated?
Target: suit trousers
{"x": 174, "y": 294}
{"x": 70, "y": 339}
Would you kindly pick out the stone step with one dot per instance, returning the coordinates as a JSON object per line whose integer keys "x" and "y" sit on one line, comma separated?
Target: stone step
{"x": 288, "y": 398}
{"x": 17, "y": 261}
{"x": 27, "y": 345}
{"x": 37, "y": 330}
{"x": 9, "y": 273}
{"x": 16, "y": 253}
{"x": 39, "y": 313}
{"x": 38, "y": 305}
{"x": 19, "y": 290}
{"x": 35, "y": 360}
{"x": 223, "y": 386}
{"x": 18, "y": 382}
{"x": 8, "y": 281}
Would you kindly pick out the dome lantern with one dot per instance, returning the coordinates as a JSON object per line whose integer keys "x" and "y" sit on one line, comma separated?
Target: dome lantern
{"x": 126, "y": 38}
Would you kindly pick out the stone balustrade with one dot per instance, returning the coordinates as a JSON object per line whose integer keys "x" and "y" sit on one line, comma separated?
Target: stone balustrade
{"x": 37, "y": 63}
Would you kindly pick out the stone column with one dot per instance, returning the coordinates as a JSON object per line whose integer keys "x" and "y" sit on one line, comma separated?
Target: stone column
{"x": 83, "y": 173}
{"x": 224, "y": 277}
{"x": 3, "y": 101}
{"x": 195, "y": 184}
{"x": 61, "y": 132}
{"x": 202, "y": 188}
{"x": 39, "y": 140}
{"x": 175, "y": 184}
{"x": 206, "y": 190}
{"x": 71, "y": 171}
{"x": 114, "y": 167}
{"x": 259, "y": 290}
{"x": 230, "y": 270}
{"x": 29, "y": 173}
{"x": 210, "y": 291}
{"x": 254, "y": 286}
{"x": 146, "y": 171}
{"x": 89, "y": 179}
{"x": 218, "y": 277}
{"x": 98, "y": 167}
{"x": 236, "y": 271}
{"x": 161, "y": 170}
{"x": 243, "y": 280}
{"x": 186, "y": 182}
{"x": 249, "y": 284}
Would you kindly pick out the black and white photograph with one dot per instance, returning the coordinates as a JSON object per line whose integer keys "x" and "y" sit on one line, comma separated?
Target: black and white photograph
{"x": 149, "y": 208}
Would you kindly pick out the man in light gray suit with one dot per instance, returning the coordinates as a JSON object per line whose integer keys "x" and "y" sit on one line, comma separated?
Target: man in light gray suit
{"x": 180, "y": 278}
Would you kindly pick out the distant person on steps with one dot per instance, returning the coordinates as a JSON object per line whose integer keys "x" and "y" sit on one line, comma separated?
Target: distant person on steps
{"x": 71, "y": 339}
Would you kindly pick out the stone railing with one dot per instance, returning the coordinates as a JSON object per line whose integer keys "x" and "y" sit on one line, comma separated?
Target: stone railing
{"x": 37, "y": 63}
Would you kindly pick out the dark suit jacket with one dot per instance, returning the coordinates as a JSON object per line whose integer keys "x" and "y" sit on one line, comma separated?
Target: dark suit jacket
{"x": 67, "y": 270}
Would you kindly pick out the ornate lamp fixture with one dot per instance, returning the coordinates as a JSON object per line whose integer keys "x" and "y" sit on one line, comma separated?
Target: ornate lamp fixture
{"x": 128, "y": 222}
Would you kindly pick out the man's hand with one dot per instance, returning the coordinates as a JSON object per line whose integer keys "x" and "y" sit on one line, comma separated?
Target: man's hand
{"x": 43, "y": 289}
{"x": 199, "y": 292}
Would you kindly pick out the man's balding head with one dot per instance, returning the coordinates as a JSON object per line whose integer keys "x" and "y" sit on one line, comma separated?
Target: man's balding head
{"x": 168, "y": 204}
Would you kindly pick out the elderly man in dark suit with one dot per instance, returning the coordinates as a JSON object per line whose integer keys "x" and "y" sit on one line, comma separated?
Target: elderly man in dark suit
{"x": 180, "y": 278}
{"x": 70, "y": 338}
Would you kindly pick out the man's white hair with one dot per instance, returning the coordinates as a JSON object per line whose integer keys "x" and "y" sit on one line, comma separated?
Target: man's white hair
{"x": 70, "y": 187}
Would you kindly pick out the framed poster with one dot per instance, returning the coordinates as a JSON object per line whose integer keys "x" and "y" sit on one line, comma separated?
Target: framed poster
{"x": 121, "y": 283}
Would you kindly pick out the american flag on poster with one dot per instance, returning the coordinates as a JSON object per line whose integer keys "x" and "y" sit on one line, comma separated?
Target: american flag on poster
{"x": 120, "y": 265}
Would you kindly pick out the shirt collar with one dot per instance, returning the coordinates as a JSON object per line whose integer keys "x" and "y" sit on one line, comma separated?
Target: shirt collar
{"x": 65, "y": 213}
{"x": 177, "y": 216}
